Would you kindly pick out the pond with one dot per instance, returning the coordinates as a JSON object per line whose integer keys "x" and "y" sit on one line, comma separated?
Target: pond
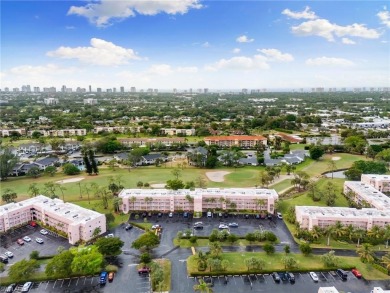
{"x": 337, "y": 174}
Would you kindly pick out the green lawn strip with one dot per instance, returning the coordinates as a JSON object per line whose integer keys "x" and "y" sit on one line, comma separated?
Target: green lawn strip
{"x": 274, "y": 263}
{"x": 166, "y": 266}
{"x": 282, "y": 185}
{"x": 143, "y": 226}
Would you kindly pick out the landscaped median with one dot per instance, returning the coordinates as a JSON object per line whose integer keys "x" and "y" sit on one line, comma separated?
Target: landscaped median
{"x": 274, "y": 262}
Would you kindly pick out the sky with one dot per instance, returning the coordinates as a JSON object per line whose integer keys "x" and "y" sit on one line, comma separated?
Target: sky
{"x": 195, "y": 44}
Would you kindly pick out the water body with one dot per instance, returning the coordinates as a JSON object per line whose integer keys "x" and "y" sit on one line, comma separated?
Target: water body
{"x": 337, "y": 174}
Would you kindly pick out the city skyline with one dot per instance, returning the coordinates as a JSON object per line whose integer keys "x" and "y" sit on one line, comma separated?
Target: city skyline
{"x": 195, "y": 44}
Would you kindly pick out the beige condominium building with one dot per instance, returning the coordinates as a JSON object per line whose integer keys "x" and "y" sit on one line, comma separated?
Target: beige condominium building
{"x": 198, "y": 200}
{"x": 77, "y": 222}
{"x": 244, "y": 141}
{"x": 365, "y": 193}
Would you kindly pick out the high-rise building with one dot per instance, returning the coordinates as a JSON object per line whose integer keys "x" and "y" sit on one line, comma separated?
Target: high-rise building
{"x": 15, "y": 89}
{"x": 99, "y": 90}
{"x": 175, "y": 90}
{"x": 133, "y": 89}
{"x": 90, "y": 88}
{"x": 50, "y": 101}
{"x": 6, "y": 89}
{"x": 156, "y": 91}
{"x": 122, "y": 89}
{"x": 206, "y": 90}
{"x": 90, "y": 101}
{"x": 244, "y": 91}
{"x": 63, "y": 89}
{"x": 36, "y": 89}
{"x": 114, "y": 90}
{"x": 109, "y": 90}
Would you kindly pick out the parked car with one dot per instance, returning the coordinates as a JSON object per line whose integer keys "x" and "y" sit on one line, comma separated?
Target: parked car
{"x": 43, "y": 232}
{"x": 220, "y": 215}
{"x": 9, "y": 254}
{"x": 223, "y": 226}
{"x": 257, "y": 216}
{"x": 246, "y": 216}
{"x": 103, "y": 278}
{"x": 314, "y": 276}
{"x": 185, "y": 215}
{"x": 10, "y": 288}
{"x": 279, "y": 215}
{"x": 276, "y": 277}
{"x": 198, "y": 225}
{"x": 209, "y": 214}
{"x": 39, "y": 240}
{"x": 159, "y": 215}
{"x": 128, "y": 227}
{"x": 233, "y": 225}
{"x": 26, "y": 287}
{"x": 27, "y": 239}
{"x": 291, "y": 277}
{"x": 110, "y": 235}
{"x": 111, "y": 276}
{"x": 20, "y": 241}
{"x": 356, "y": 273}
{"x": 144, "y": 270}
{"x": 342, "y": 274}
{"x": 3, "y": 259}
{"x": 225, "y": 215}
{"x": 170, "y": 215}
{"x": 156, "y": 226}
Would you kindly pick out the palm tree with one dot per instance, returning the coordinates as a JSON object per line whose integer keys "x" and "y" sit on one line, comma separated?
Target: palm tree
{"x": 386, "y": 261}
{"x": 338, "y": 229}
{"x": 203, "y": 287}
{"x": 147, "y": 201}
{"x": 132, "y": 200}
{"x": 387, "y": 235}
{"x": 316, "y": 232}
{"x": 116, "y": 203}
{"x": 215, "y": 248}
{"x": 376, "y": 232}
{"x": 359, "y": 234}
{"x": 202, "y": 259}
{"x": 222, "y": 201}
{"x": 329, "y": 231}
{"x": 349, "y": 230}
{"x": 332, "y": 166}
{"x": 365, "y": 252}
{"x": 260, "y": 203}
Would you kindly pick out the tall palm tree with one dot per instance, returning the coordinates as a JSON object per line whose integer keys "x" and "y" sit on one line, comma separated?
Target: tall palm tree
{"x": 359, "y": 234}
{"x": 365, "y": 252}
{"x": 132, "y": 200}
{"x": 349, "y": 230}
{"x": 338, "y": 230}
{"x": 316, "y": 232}
{"x": 329, "y": 232}
{"x": 375, "y": 232}
{"x": 387, "y": 234}
{"x": 203, "y": 287}
{"x": 386, "y": 261}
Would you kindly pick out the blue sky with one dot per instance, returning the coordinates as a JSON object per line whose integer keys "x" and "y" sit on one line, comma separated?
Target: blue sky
{"x": 195, "y": 44}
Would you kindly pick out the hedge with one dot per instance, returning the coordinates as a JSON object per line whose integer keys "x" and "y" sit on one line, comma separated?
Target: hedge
{"x": 380, "y": 268}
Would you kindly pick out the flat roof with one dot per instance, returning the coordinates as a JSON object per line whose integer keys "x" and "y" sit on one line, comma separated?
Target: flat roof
{"x": 343, "y": 212}
{"x": 69, "y": 211}
{"x": 370, "y": 194}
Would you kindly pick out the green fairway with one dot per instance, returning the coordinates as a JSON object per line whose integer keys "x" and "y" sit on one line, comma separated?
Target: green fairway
{"x": 274, "y": 263}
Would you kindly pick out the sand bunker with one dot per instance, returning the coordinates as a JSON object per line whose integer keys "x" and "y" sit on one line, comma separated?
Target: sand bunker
{"x": 158, "y": 185}
{"x": 336, "y": 158}
{"x": 71, "y": 180}
{"x": 217, "y": 176}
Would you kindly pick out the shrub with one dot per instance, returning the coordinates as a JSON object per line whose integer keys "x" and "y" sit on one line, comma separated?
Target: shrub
{"x": 380, "y": 268}
{"x": 145, "y": 258}
{"x": 193, "y": 239}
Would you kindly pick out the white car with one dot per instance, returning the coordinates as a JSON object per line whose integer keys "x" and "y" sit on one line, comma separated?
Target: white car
{"x": 170, "y": 215}
{"x": 27, "y": 239}
{"x": 110, "y": 235}
{"x": 9, "y": 254}
{"x": 156, "y": 226}
{"x": 43, "y": 232}
{"x": 314, "y": 276}
{"x": 279, "y": 215}
{"x": 223, "y": 226}
{"x": 39, "y": 240}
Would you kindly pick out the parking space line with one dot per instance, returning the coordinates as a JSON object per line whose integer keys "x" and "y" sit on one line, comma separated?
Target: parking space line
{"x": 55, "y": 283}
{"x": 47, "y": 285}
{"x": 62, "y": 282}
{"x": 77, "y": 282}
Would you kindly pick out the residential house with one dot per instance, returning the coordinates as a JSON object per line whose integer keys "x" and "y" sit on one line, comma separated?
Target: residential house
{"x": 46, "y": 162}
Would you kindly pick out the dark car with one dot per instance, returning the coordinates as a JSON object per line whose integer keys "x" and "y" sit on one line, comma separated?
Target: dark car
{"x": 3, "y": 259}
{"x": 10, "y": 288}
{"x": 291, "y": 277}
{"x": 226, "y": 215}
{"x": 128, "y": 227}
{"x": 209, "y": 282}
{"x": 103, "y": 278}
{"x": 276, "y": 277}
{"x": 159, "y": 215}
{"x": 342, "y": 274}
{"x": 144, "y": 215}
{"x": 246, "y": 216}
{"x": 185, "y": 215}
{"x": 144, "y": 270}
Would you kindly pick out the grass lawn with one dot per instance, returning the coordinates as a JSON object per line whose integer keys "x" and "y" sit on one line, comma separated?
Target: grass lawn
{"x": 185, "y": 243}
{"x": 282, "y": 185}
{"x": 166, "y": 266}
{"x": 274, "y": 263}
{"x": 145, "y": 225}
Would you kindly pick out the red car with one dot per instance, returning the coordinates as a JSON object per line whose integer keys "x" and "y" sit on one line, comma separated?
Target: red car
{"x": 144, "y": 270}
{"x": 20, "y": 241}
{"x": 356, "y": 273}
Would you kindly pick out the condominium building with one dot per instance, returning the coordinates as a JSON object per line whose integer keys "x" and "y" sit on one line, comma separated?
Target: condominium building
{"x": 8, "y": 132}
{"x": 51, "y": 101}
{"x": 118, "y": 129}
{"x": 198, "y": 200}
{"x": 59, "y": 132}
{"x": 380, "y": 182}
{"x": 178, "y": 131}
{"x": 309, "y": 216}
{"x": 90, "y": 101}
{"x": 245, "y": 141}
{"x": 168, "y": 141}
{"x": 367, "y": 195}
{"x": 77, "y": 222}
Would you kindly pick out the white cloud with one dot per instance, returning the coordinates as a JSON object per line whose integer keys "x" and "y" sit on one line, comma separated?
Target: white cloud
{"x": 102, "y": 13}
{"x": 100, "y": 52}
{"x": 240, "y": 63}
{"x": 236, "y": 50}
{"x": 329, "y": 61}
{"x": 305, "y": 14}
{"x": 206, "y": 44}
{"x": 323, "y": 28}
{"x": 41, "y": 70}
{"x": 348, "y": 41}
{"x": 384, "y": 17}
{"x": 276, "y": 55}
{"x": 244, "y": 39}
{"x": 188, "y": 69}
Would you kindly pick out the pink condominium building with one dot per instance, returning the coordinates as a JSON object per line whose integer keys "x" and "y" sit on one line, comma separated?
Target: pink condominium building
{"x": 366, "y": 193}
{"x": 77, "y": 222}
{"x": 198, "y": 200}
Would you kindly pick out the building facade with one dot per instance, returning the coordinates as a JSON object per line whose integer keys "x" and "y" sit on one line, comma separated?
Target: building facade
{"x": 380, "y": 182}
{"x": 244, "y": 141}
{"x": 310, "y": 216}
{"x": 78, "y": 223}
{"x": 198, "y": 200}
{"x": 168, "y": 141}
{"x": 59, "y": 132}
{"x": 178, "y": 131}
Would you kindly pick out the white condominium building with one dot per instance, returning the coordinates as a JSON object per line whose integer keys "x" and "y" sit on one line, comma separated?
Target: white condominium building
{"x": 366, "y": 194}
{"x": 380, "y": 182}
{"x": 310, "y": 216}
{"x": 198, "y": 200}
{"x": 77, "y": 222}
